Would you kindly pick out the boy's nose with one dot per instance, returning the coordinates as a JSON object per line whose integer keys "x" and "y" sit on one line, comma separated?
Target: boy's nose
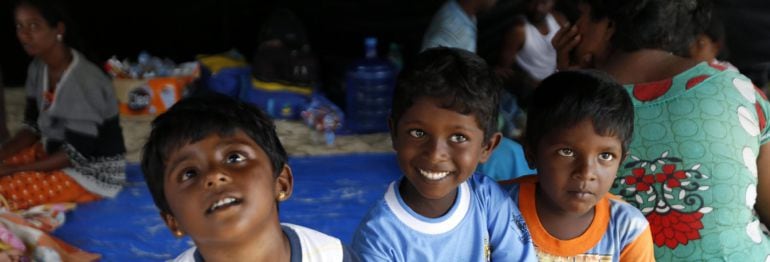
{"x": 437, "y": 150}
{"x": 585, "y": 170}
{"x": 216, "y": 177}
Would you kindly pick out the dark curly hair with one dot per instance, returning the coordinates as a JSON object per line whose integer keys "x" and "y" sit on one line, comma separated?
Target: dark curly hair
{"x": 568, "y": 97}
{"x": 459, "y": 78}
{"x": 668, "y": 25}
{"x": 193, "y": 119}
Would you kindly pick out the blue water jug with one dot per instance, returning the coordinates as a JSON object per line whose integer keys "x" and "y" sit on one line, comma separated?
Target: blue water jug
{"x": 369, "y": 91}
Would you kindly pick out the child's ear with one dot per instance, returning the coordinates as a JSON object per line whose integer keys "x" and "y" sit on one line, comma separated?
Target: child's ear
{"x": 284, "y": 184}
{"x": 172, "y": 224}
{"x": 492, "y": 143}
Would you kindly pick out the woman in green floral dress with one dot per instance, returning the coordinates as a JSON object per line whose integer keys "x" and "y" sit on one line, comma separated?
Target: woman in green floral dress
{"x": 699, "y": 162}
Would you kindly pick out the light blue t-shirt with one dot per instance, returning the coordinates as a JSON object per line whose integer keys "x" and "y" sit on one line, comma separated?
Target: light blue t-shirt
{"x": 451, "y": 27}
{"x": 482, "y": 225}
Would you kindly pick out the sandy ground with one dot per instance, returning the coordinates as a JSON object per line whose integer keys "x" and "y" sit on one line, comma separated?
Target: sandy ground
{"x": 296, "y": 137}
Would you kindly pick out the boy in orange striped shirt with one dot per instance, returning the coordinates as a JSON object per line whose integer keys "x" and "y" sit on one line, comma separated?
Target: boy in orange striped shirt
{"x": 578, "y": 130}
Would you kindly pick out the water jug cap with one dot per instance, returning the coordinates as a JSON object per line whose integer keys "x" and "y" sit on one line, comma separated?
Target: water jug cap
{"x": 370, "y": 44}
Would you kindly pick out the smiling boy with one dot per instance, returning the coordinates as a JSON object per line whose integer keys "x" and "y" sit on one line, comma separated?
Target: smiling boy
{"x": 578, "y": 130}
{"x": 442, "y": 125}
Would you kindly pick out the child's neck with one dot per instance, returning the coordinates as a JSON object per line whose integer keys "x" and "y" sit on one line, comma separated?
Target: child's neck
{"x": 560, "y": 224}
{"x": 431, "y": 208}
{"x": 261, "y": 247}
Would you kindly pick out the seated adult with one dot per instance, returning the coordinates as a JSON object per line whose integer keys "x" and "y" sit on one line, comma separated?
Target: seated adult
{"x": 71, "y": 147}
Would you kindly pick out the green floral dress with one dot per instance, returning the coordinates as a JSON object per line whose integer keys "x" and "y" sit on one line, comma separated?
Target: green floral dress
{"x": 692, "y": 166}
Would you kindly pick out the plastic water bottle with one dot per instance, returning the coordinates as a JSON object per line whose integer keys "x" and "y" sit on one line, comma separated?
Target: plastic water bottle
{"x": 369, "y": 90}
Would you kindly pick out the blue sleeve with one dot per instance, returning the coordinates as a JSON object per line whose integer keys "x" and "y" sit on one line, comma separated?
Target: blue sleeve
{"x": 506, "y": 162}
{"x": 509, "y": 237}
{"x": 348, "y": 255}
{"x": 367, "y": 244}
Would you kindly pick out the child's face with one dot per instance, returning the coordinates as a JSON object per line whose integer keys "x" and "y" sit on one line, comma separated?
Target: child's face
{"x": 576, "y": 167}
{"x": 438, "y": 148}
{"x": 222, "y": 189}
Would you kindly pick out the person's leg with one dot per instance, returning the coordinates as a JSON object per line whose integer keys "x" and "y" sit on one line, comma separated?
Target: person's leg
{"x": 23, "y": 190}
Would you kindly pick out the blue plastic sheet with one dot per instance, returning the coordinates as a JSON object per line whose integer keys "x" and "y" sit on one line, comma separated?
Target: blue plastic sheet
{"x": 331, "y": 195}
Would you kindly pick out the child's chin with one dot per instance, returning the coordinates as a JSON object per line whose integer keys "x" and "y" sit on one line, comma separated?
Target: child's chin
{"x": 433, "y": 193}
{"x": 581, "y": 209}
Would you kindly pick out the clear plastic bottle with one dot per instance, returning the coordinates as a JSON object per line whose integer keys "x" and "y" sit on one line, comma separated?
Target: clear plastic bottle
{"x": 369, "y": 90}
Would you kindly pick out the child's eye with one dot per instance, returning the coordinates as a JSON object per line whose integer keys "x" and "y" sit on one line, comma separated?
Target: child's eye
{"x": 235, "y": 158}
{"x": 566, "y": 152}
{"x": 458, "y": 138}
{"x": 417, "y": 133}
{"x": 606, "y": 156}
{"x": 187, "y": 174}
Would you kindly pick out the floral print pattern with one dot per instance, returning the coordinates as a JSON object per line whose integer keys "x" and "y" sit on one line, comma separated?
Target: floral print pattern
{"x": 668, "y": 197}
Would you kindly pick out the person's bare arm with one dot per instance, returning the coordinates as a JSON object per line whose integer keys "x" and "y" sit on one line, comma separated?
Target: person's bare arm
{"x": 56, "y": 161}
{"x": 21, "y": 140}
{"x": 514, "y": 78}
{"x": 513, "y": 41}
{"x": 763, "y": 184}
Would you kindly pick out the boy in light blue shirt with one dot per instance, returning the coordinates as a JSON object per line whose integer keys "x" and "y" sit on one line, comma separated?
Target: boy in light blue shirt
{"x": 443, "y": 123}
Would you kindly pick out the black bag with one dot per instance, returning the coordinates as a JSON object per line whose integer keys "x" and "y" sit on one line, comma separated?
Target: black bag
{"x": 284, "y": 53}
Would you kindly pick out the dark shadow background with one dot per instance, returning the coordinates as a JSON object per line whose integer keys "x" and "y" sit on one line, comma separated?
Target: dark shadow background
{"x": 180, "y": 30}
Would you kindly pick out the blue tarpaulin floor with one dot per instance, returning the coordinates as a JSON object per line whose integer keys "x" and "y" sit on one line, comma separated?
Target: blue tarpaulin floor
{"x": 331, "y": 195}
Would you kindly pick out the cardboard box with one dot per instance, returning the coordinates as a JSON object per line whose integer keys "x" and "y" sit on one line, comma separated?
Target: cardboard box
{"x": 149, "y": 96}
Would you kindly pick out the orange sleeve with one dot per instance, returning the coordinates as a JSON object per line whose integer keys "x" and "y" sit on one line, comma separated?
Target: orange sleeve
{"x": 519, "y": 180}
{"x": 640, "y": 249}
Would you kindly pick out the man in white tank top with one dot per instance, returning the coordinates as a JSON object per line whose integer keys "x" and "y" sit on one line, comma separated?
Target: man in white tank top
{"x": 527, "y": 44}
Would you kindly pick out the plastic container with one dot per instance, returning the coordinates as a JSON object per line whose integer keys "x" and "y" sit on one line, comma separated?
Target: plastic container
{"x": 324, "y": 118}
{"x": 369, "y": 91}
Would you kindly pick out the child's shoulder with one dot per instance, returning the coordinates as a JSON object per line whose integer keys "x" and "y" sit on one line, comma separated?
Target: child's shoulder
{"x": 314, "y": 245}
{"x": 485, "y": 187}
{"x": 624, "y": 214}
{"x": 309, "y": 233}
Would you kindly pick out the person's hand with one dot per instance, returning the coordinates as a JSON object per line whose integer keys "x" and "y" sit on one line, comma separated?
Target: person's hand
{"x": 564, "y": 41}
